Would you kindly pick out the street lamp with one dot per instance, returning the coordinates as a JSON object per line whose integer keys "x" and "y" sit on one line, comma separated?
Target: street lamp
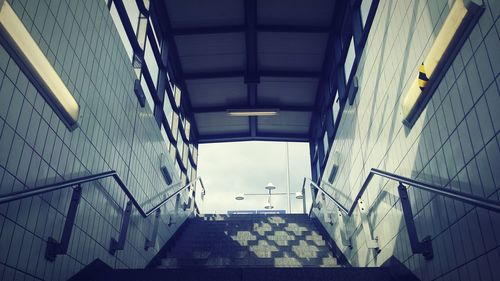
{"x": 299, "y": 195}
{"x": 270, "y": 187}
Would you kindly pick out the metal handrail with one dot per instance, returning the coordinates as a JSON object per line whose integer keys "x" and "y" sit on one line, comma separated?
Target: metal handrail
{"x": 85, "y": 179}
{"x": 424, "y": 246}
{"x": 491, "y": 205}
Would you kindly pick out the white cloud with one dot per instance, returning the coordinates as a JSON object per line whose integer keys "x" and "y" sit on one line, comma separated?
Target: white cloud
{"x": 247, "y": 167}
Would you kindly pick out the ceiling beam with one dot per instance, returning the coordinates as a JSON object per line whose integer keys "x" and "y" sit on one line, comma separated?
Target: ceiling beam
{"x": 261, "y": 73}
{"x": 252, "y": 78}
{"x": 243, "y": 28}
{"x": 258, "y": 137}
{"x": 225, "y": 108}
{"x": 214, "y": 75}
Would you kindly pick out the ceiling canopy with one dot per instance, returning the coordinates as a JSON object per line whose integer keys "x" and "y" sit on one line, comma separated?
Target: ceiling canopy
{"x": 253, "y": 56}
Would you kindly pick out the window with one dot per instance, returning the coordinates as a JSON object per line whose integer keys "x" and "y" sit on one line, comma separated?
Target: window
{"x": 147, "y": 93}
{"x": 349, "y": 60}
{"x": 187, "y": 128}
{"x": 185, "y": 155}
{"x": 175, "y": 126}
{"x": 151, "y": 63}
{"x": 365, "y": 10}
{"x": 318, "y": 169}
{"x": 154, "y": 39}
{"x": 167, "y": 110}
{"x": 325, "y": 142}
{"x": 177, "y": 96}
{"x": 164, "y": 135}
{"x": 132, "y": 12}
{"x": 335, "y": 108}
{"x": 193, "y": 173}
{"x": 172, "y": 151}
{"x": 194, "y": 151}
{"x": 121, "y": 31}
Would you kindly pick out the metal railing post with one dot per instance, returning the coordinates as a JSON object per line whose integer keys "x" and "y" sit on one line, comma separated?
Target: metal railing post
{"x": 120, "y": 244}
{"x": 152, "y": 242}
{"x": 371, "y": 243}
{"x": 417, "y": 247}
{"x": 304, "y": 207}
{"x": 55, "y": 248}
{"x": 346, "y": 240}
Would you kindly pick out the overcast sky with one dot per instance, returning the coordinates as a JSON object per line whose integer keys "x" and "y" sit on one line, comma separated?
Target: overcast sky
{"x": 247, "y": 167}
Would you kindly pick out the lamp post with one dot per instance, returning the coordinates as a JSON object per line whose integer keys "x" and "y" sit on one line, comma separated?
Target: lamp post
{"x": 288, "y": 179}
{"x": 270, "y": 187}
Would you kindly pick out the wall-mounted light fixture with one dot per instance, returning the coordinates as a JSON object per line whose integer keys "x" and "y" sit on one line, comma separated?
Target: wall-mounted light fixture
{"x": 460, "y": 21}
{"x": 246, "y": 112}
{"x": 31, "y": 60}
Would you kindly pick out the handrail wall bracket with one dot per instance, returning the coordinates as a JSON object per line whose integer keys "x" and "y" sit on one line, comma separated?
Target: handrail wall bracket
{"x": 423, "y": 247}
{"x": 55, "y": 248}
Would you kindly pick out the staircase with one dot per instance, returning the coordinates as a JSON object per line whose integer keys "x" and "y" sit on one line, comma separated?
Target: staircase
{"x": 242, "y": 247}
{"x": 250, "y": 241}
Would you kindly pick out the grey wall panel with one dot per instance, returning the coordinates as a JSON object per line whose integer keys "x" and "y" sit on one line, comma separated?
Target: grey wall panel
{"x": 80, "y": 40}
{"x": 454, "y": 143}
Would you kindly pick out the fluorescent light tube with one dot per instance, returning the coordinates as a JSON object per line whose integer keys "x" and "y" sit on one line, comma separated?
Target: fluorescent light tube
{"x": 23, "y": 48}
{"x": 456, "y": 28}
{"x": 253, "y": 112}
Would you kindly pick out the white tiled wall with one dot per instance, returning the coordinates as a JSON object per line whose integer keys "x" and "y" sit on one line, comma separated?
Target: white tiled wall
{"x": 114, "y": 133}
{"x": 454, "y": 143}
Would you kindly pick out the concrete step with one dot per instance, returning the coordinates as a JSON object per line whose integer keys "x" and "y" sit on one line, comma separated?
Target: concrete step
{"x": 257, "y": 253}
{"x": 248, "y": 262}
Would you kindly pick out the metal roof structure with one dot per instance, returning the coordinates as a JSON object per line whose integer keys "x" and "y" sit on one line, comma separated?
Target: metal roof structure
{"x": 250, "y": 54}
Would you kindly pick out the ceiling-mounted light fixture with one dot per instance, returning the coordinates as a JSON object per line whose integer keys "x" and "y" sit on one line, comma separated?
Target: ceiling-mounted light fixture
{"x": 247, "y": 112}
{"x": 32, "y": 61}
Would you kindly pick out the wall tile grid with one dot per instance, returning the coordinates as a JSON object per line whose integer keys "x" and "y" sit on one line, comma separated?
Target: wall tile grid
{"x": 454, "y": 143}
{"x": 114, "y": 133}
